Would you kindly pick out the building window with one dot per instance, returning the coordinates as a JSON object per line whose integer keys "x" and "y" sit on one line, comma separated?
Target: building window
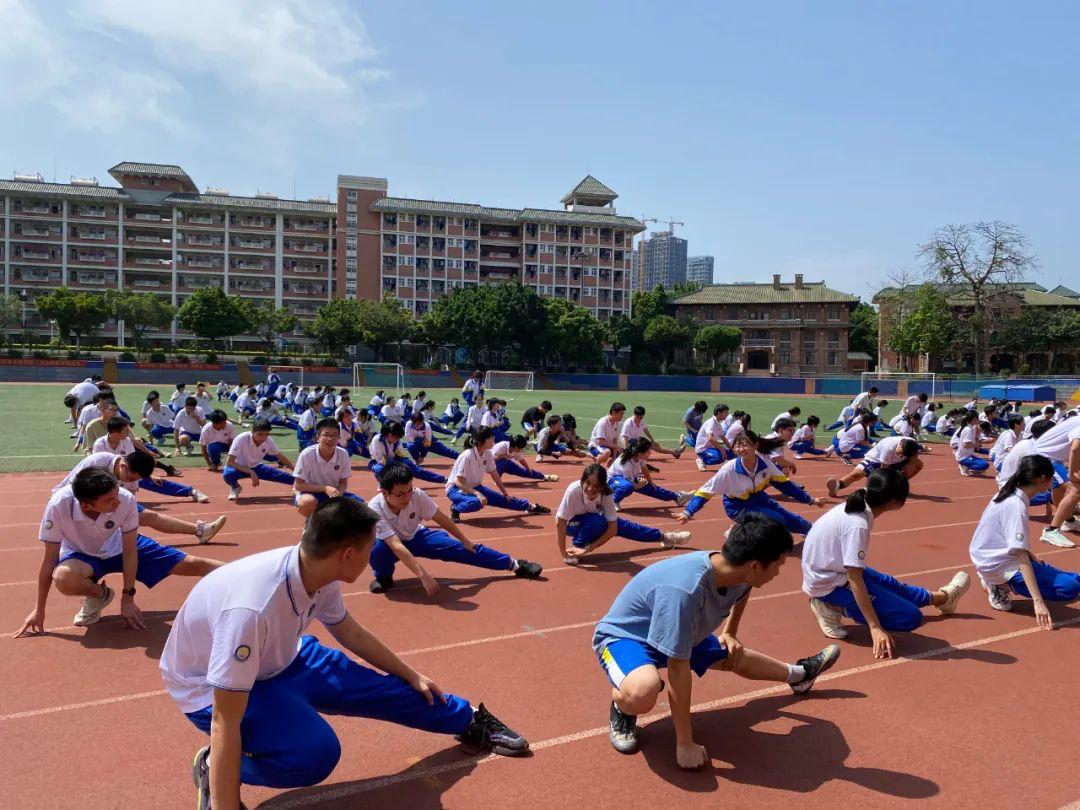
{"x": 785, "y": 357}
{"x": 832, "y": 358}
{"x": 350, "y": 219}
{"x": 350, "y": 195}
{"x": 809, "y": 357}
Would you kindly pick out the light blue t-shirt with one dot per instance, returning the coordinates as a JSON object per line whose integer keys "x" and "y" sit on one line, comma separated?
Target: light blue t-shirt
{"x": 693, "y": 418}
{"x": 672, "y": 606}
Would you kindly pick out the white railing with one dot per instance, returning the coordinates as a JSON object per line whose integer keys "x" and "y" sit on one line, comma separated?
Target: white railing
{"x": 150, "y": 217}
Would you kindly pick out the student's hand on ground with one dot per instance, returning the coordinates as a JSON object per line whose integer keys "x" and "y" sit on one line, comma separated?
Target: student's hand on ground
{"x": 882, "y": 641}
{"x": 426, "y": 687}
{"x": 1042, "y": 616}
{"x": 469, "y": 545}
{"x": 431, "y": 587}
{"x": 682, "y": 517}
{"x": 576, "y": 552}
{"x": 691, "y": 756}
{"x": 819, "y": 502}
{"x": 483, "y": 500}
{"x": 331, "y": 492}
{"x": 734, "y": 648}
{"x": 131, "y": 614}
{"x": 254, "y": 480}
{"x": 33, "y": 626}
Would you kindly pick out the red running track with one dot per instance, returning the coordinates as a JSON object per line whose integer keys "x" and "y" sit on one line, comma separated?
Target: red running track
{"x": 973, "y": 711}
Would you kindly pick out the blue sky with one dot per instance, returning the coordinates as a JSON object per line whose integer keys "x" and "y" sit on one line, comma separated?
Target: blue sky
{"x": 822, "y": 138}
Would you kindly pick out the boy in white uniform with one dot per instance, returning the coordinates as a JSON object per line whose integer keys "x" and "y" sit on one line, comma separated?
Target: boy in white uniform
{"x": 240, "y": 667}
{"x": 1061, "y": 444}
{"x": 604, "y": 440}
{"x": 90, "y": 529}
{"x": 215, "y": 438}
{"x": 712, "y": 445}
{"x": 248, "y": 455}
{"x": 187, "y": 426}
{"x": 323, "y": 470}
{"x": 401, "y": 536}
{"x": 635, "y": 427}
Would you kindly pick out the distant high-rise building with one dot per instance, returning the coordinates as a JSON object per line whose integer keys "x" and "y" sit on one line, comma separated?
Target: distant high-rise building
{"x": 663, "y": 260}
{"x": 699, "y": 269}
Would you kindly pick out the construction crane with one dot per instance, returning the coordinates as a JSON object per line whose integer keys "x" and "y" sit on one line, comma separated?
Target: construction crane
{"x": 671, "y": 223}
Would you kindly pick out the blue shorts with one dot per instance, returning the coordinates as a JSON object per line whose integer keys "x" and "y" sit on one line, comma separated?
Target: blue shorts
{"x": 322, "y": 497}
{"x": 622, "y": 656}
{"x": 870, "y": 466}
{"x": 155, "y": 562}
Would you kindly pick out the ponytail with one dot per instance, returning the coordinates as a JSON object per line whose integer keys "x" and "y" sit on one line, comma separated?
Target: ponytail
{"x": 1031, "y": 469}
{"x": 478, "y": 437}
{"x": 882, "y": 486}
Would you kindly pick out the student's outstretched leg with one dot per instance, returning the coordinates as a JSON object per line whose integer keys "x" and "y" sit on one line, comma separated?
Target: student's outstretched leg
{"x": 796, "y": 524}
{"x": 496, "y": 498}
{"x": 507, "y": 466}
{"x": 659, "y": 492}
{"x": 637, "y": 531}
{"x": 424, "y": 474}
{"x": 166, "y": 487}
{"x": 585, "y": 529}
{"x": 461, "y": 501}
{"x": 1055, "y": 585}
{"x": 896, "y": 603}
{"x": 621, "y": 488}
{"x": 435, "y": 544}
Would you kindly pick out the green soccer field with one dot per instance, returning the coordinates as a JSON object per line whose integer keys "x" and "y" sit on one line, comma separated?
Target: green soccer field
{"x": 34, "y": 438}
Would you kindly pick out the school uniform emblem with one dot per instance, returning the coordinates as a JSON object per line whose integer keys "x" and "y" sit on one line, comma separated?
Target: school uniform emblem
{"x": 48, "y": 524}
{"x": 862, "y": 555}
{"x": 110, "y": 524}
{"x": 412, "y": 515}
{"x": 242, "y": 653}
{"x": 337, "y": 466}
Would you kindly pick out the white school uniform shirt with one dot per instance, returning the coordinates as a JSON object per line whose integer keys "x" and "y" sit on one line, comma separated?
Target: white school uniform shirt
{"x": 122, "y": 449}
{"x": 161, "y": 417}
{"x": 542, "y": 438}
{"x": 837, "y": 541}
{"x": 308, "y": 420}
{"x": 377, "y": 401}
{"x": 1002, "y": 531}
{"x": 244, "y": 450}
{"x": 471, "y": 466}
{"x": 282, "y": 391}
{"x": 735, "y": 429}
{"x": 490, "y": 419}
{"x": 419, "y": 403}
{"x": 474, "y": 415}
{"x": 103, "y": 460}
{"x": 64, "y": 522}
{"x": 504, "y": 450}
{"x": 725, "y": 423}
{"x": 314, "y": 469}
{"x": 574, "y": 502}
{"x": 1005, "y": 442}
{"x": 472, "y": 384}
{"x": 861, "y": 401}
{"x": 854, "y": 435}
{"x": 604, "y": 430}
{"x": 145, "y": 408}
{"x": 711, "y": 429}
{"x": 904, "y": 428}
{"x": 896, "y": 420}
{"x": 971, "y": 405}
{"x": 803, "y": 434}
{"x": 779, "y": 416}
{"x": 222, "y": 388}
{"x": 846, "y": 413}
{"x": 408, "y": 521}
{"x": 412, "y": 432}
{"x": 1011, "y": 462}
{"x": 178, "y": 394}
{"x": 776, "y": 452}
{"x": 83, "y": 392}
{"x": 204, "y": 402}
{"x": 392, "y": 413}
{"x": 240, "y": 624}
{"x": 243, "y": 401}
{"x": 367, "y": 429}
{"x": 185, "y": 421}
{"x": 329, "y": 401}
{"x": 927, "y": 420}
{"x": 451, "y": 410}
{"x": 630, "y": 470}
{"x": 886, "y": 452}
{"x": 381, "y": 450}
{"x": 911, "y": 405}
{"x": 632, "y": 430}
{"x": 223, "y": 435}
{"x": 967, "y": 435}
{"x": 88, "y": 414}
{"x": 1055, "y": 443}
{"x": 944, "y": 423}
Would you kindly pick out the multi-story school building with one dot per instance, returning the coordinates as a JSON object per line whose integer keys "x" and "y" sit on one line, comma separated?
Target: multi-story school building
{"x": 787, "y": 328}
{"x": 157, "y": 232}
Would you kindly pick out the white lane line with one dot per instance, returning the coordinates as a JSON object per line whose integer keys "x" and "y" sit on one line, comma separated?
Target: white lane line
{"x": 370, "y": 785}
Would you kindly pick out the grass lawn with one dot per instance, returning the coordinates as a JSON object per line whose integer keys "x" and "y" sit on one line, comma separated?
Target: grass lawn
{"x": 33, "y": 438}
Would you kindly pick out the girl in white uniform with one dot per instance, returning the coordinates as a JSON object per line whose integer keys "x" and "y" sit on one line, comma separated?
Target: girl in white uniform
{"x": 629, "y": 473}
{"x": 966, "y": 445}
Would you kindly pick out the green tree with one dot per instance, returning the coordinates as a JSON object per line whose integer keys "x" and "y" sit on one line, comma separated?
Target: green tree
{"x": 622, "y": 331}
{"x": 492, "y": 317}
{"x": 211, "y": 314}
{"x": 925, "y": 325}
{"x": 864, "y": 330}
{"x": 77, "y": 313}
{"x": 664, "y": 334}
{"x": 11, "y": 309}
{"x": 268, "y": 322}
{"x": 573, "y": 332}
{"x": 717, "y": 340}
{"x": 140, "y": 312}
{"x": 339, "y": 324}
{"x": 387, "y": 322}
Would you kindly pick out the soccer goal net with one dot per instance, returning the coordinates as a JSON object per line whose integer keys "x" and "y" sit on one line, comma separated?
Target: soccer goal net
{"x": 288, "y": 374}
{"x": 900, "y": 383}
{"x": 387, "y": 376}
{"x": 508, "y": 381}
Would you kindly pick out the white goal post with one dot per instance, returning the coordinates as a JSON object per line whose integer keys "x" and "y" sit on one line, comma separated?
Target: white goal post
{"x": 917, "y": 383}
{"x": 508, "y": 381}
{"x": 387, "y": 376}
{"x": 288, "y": 374}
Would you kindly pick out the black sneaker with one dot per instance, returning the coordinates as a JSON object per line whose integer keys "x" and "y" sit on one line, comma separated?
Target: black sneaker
{"x": 528, "y": 570}
{"x": 814, "y": 666}
{"x": 623, "y": 731}
{"x": 539, "y": 509}
{"x": 200, "y": 775}
{"x": 169, "y": 469}
{"x": 455, "y": 515}
{"x": 488, "y": 732}
{"x": 653, "y": 468}
{"x": 381, "y": 584}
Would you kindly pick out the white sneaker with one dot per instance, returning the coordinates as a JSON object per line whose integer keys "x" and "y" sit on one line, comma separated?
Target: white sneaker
{"x": 965, "y": 471}
{"x": 199, "y": 496}
{"x": 618, "y": 508}
{"x": 672, "y": 539}
{"x": 956, "y": 587}
{"x": 701, "y": 465}
{"x": 1071, "y": 525}
{"x": 1054, "y": 537}
{"x": 90, "y": 612}
{"x": 829, "y": 618}
{"x": 550, "y": 477}
{"x": 206, "y": 531}
{"x": 999, "y": 595}
{"x": 234, "y": 493}
{"x": 798, "y": 456}
{"x": 683, "y": 498}
{"x": 847, "y": 460}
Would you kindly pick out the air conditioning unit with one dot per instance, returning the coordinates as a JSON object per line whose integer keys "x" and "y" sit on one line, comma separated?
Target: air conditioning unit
{"x": 84, "y": 181}
{"x": 29, "y": 177}
{"x": 221, "y": 192}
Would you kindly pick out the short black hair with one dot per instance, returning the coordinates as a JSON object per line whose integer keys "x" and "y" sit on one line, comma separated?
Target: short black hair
{"x": 337, "y": 523}
{"x": 116, "y": 424}
{"x": 70, "y": 401}
{"x": 616, "y": 407}
{"x": 546, "y": 405}
{"x": 190, "y": 401}
{"x": 518, "y": 442}
{"x": 393, "y": 474}
{"x": 1015, "y": 419}
{"x": 553, "y": 420}
{"x": 1039, "y": 427}
{"x": 639, "y": 410}
{"x": 701, "y": 406}
{"x": 217, "y": 416}
{"x": 813, "y": 420}
{"x": 756, "y": 538}
{"x": 795, "y": 411}
{"x": 327, "y": 422}
{"x": 260, "y": 426}
{"x": 91, "y": 483}
{"x": 392, "y": 429}
{"x": 719, "y": 408}
{"x": 140, "y": 463}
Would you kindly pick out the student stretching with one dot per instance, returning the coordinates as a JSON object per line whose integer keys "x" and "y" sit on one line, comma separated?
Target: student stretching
{"x": 805, "y": 438}
{"x": 389, "y": 447}
{"x": 1001, "y": 546}
{"x": 711, "y": 444}
{"x": 967, "y": 444}
{"x": 465, "y": 488}
{"x": 839, "y": 583}
{"x": 891, "y": 453}
{"x": 692, "y": 421}
{"x": 510, "y": 460}
{"x": 587, "y": 515}
{"x": 629, "y": 473}
{"x": 742, "y": 482}
{"x": 854, "y": 442}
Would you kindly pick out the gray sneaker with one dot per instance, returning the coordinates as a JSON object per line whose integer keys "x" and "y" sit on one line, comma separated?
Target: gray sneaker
{"x": 1000, "y": 596}
{"x": 1054, "y": 537}
{"x": 623, "y": 730}
{"x": 200, "y": 775}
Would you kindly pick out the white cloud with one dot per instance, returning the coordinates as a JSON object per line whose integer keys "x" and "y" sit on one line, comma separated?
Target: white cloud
{"x": 117, "y": 100}
{"x": 30, "y": 60}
